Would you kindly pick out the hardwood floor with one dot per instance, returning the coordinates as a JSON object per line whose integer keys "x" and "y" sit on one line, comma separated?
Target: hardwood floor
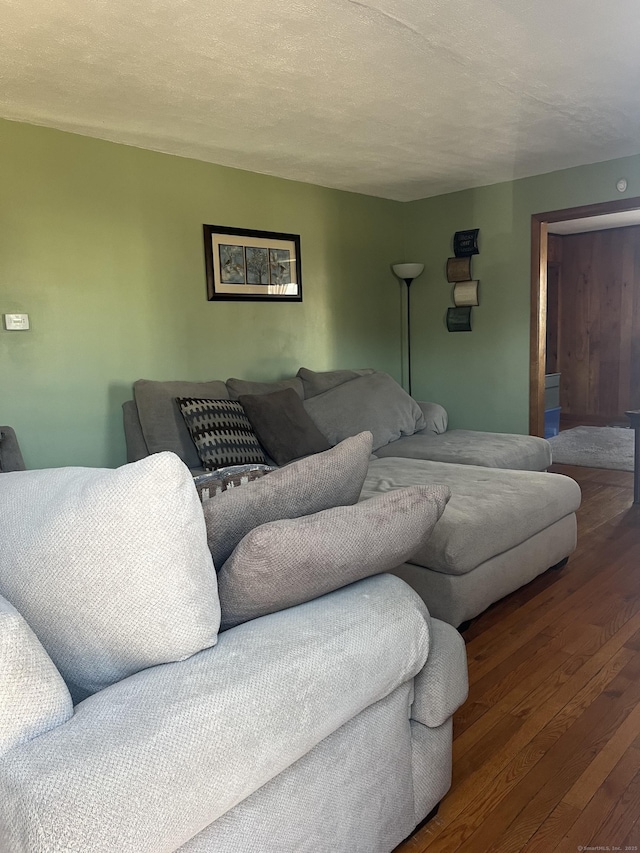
{"x": 546, "y": 753}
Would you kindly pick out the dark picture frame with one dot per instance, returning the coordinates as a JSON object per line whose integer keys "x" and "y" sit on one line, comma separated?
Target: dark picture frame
{"x": 245, "y": 264}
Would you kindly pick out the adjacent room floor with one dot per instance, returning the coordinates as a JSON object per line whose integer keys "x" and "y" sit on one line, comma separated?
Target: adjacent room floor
{"x": 546, "y": 753}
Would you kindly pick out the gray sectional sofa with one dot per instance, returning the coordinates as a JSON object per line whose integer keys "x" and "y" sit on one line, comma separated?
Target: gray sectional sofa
{"x": 507, "y": 521}
{"x": 130, "y": 724}
{"x": 402, "y": 428}
{"x": 10, "y": 455}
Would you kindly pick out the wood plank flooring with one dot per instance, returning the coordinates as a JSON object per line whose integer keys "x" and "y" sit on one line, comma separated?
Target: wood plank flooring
{"x": 546, "y": 752}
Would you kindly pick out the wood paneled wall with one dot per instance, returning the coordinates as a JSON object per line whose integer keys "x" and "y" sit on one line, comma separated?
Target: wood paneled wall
{"x": 593, "y": 322}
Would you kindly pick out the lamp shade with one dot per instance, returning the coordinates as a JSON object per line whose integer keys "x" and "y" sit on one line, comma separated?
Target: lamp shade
{"x": 407, "y": 271}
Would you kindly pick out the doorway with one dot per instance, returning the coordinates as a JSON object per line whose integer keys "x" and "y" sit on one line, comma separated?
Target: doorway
{"x": 611, "y": 215}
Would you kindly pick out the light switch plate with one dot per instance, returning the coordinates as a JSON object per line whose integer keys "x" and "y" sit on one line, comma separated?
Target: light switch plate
{"x": 16, "y": 322}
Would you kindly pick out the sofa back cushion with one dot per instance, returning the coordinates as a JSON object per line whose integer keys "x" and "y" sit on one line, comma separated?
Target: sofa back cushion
{"x": 162, "y": 424}
{"x": 110, "y": 567}
{"x": 374, "y": 402}
{"x": 237, "y": 387}
{"x": 33, "y": 695}
{"x": 332, "y": 478}
{"x": 315, "y": 383}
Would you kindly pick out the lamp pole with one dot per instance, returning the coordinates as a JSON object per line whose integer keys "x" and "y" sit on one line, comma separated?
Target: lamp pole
{"x": 407, "y": 272}
{"x": 408, "y": 281}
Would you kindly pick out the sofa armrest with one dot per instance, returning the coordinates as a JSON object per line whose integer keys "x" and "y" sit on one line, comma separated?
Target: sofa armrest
{"x": 436, "y": 417}
{"x": 136, "y": 445}
{"x": 443, "y": 685}
{"x": 10, "y": 455}
{"x": 149, "y": 762}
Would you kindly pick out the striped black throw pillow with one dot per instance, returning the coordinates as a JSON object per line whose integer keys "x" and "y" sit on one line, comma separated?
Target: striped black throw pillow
{"x": 221, "y": 432}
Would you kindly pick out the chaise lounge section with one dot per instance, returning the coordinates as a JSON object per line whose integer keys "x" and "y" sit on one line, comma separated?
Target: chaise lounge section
{"x": 500, "y": 530}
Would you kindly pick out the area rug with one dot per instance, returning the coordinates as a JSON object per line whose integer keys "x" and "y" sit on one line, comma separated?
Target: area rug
{"x": 594, "y": 447}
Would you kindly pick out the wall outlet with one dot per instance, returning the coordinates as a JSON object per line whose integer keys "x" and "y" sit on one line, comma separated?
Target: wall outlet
{"x": 16, "y": 322}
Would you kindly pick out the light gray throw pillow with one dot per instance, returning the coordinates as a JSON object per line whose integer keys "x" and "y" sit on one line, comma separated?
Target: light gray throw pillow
{"x": 331, "y": 478}
{"x": 110, "y": 568}
{"x": 375, "y": 402}
{"x": 288, "y": 562}
{"x": 33, "y": 695}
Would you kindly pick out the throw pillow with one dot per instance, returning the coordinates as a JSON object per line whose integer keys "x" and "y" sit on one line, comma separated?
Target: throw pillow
{"x": 282, "y": 425}
{"x": 375, "y": 402}
{"x": 288, "y": 562}
{"x": 237, "y": 387}
{"x": 34, "y": 698}
{"x": 317, "y": 383}
{"x": 110, "y": 568}
{"x": 221, "y": 432}
{"x": 317, "y": 482}
{"x": 212, "y": 484}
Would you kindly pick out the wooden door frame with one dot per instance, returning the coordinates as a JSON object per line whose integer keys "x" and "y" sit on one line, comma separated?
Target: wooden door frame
{"x": 539, "y": 254}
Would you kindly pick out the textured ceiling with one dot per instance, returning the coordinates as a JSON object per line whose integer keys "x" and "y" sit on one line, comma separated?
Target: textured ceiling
{"x": 396, "y": 98}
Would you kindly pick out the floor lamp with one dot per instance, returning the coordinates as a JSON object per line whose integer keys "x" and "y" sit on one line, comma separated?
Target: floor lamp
{"x": 407, "y": 272}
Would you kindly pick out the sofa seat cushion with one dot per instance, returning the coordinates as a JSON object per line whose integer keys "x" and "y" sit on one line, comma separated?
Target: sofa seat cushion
{"x": 490, "y": 509}
{"x": 148, "y": 763}
{"x": 110, "y": 568}
{"x": 468, "y": 447}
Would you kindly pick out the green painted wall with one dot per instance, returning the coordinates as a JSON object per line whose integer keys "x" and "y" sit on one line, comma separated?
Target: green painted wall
{"x": 101, "y": 244}
{"x": 482, "y": 377}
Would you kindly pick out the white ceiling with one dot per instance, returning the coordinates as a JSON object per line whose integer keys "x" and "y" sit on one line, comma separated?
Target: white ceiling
{"x": 396, "y": 98}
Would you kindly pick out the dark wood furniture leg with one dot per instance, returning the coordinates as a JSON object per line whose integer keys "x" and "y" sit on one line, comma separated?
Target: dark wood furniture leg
{"x": 634, "y": 417}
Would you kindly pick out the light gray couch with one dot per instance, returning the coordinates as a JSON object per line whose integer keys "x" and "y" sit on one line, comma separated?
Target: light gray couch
{"x": 10, "y": 455}
{"x": 325, "y": 727}
{"x": 507, "y": 521}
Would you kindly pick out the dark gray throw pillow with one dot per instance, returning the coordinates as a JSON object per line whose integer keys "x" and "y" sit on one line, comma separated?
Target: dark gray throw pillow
{"x": 221, "y": 432}
{"x": 288, "y": 562}
{"x": 324, "y": 480}
{"x": 283, "y": 426}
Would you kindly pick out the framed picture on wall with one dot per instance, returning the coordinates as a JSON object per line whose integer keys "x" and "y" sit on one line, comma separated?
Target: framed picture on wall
{"x": 253, "y": 265}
